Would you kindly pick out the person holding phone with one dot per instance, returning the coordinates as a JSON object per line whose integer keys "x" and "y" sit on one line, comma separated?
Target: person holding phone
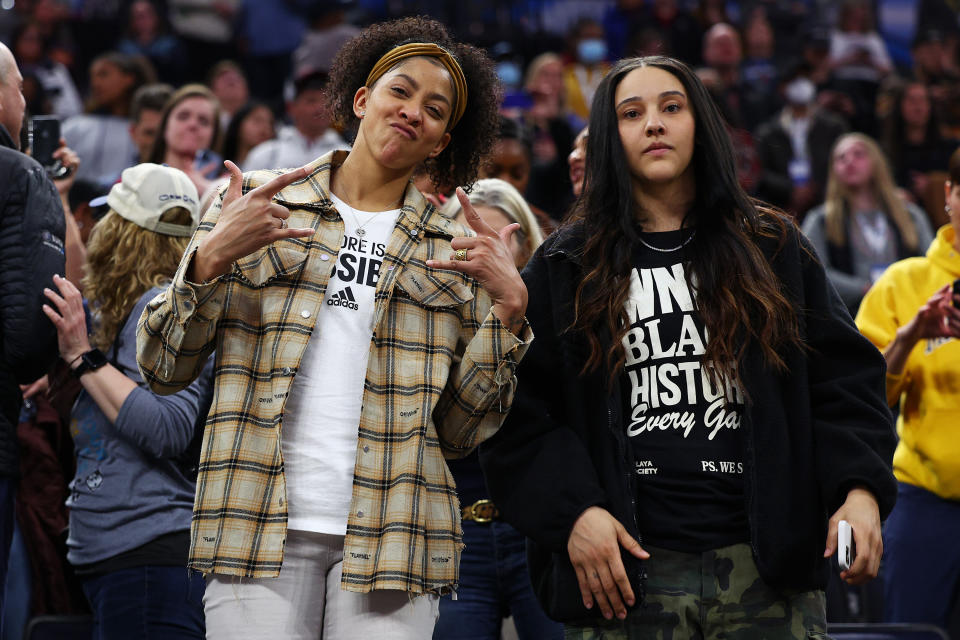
{"x": 359, "y": 340}
{"x": 188, "y": 133}
{"x": 911, "y": 315}
{"x": 698, "y": 412}
{"x": 32, "y": 251}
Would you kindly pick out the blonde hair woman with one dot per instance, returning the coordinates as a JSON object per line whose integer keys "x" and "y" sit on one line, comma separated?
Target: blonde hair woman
{"x": 499, "y": 203}
{"x": 132, "y": 496}
{"x": 544, "y": 83}
{"x": 863, "y": 225}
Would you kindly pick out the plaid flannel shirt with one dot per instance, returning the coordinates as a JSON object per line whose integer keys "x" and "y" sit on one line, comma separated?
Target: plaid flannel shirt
{"x": 440, "y": 380}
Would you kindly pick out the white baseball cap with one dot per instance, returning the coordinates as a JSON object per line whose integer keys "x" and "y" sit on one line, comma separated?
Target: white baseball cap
{"x": 147, "y": 190}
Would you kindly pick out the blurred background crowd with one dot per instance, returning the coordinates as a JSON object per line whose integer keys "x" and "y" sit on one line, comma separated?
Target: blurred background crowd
{"x": 840, "y": 111}
{"x": 790, "y": 75}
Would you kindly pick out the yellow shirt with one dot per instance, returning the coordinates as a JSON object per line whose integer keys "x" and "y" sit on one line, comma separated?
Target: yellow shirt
{"x": 928, "y": 389}
{"x": 580, "y": 84}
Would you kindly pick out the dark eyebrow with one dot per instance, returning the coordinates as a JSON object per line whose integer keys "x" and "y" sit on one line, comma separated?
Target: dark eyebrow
{"x": 416, "y": 87}
{"x": 662, "y": 96}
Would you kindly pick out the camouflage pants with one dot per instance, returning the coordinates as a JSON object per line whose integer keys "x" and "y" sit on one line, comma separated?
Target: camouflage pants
{"x": 717, "y": 595}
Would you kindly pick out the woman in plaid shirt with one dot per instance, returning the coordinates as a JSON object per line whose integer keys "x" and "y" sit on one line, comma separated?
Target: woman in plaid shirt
{"x": 359, "y": 340}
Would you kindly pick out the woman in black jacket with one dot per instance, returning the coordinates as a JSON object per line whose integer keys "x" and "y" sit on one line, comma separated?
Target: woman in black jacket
{"x": 698, "y": 411}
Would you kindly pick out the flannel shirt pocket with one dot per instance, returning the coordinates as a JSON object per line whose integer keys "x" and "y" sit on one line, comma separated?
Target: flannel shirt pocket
{"x": 432, "y": 290}
{"x": 275, "y": 261}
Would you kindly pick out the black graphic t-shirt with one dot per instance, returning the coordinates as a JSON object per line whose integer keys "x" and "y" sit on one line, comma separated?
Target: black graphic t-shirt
{"x": 684, "y": 430}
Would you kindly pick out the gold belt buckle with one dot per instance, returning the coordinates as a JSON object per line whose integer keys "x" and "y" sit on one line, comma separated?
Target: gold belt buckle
{"x": 482, "y": 511}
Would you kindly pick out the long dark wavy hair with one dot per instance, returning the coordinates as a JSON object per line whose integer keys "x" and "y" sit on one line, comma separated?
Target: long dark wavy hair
{"x": 738, "y": 296}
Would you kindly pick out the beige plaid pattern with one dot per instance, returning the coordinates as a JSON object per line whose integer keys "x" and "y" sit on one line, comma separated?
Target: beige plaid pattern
{"x": 440, "y": 380}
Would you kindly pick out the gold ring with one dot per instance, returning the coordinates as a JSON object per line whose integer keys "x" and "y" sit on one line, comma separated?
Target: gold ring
{"x": 460, "y": 254}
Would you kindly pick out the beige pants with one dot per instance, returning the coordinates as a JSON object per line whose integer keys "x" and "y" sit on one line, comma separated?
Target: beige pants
{"x": 306, "y": 602}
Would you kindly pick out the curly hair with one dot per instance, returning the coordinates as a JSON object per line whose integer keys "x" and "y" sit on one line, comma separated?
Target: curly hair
{"x": 123, "y": 261}
{"x": 472, "y": 137}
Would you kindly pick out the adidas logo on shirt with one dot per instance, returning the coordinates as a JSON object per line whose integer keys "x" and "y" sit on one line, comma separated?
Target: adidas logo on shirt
{"x": 343, "y": 298}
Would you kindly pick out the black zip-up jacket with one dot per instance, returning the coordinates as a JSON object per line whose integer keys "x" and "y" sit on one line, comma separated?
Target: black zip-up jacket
{"x": 811, "y": 434}
{"x": 32, "y": 227}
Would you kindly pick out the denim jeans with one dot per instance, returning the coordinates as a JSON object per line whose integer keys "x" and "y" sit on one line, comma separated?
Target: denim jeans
{"x": 921, "y": 557}
{"x": 147, "y": 602}
{"x": 494, "y": 584}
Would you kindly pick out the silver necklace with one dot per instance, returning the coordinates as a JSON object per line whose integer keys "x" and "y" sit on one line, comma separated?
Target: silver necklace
{"x": 676, "y": 248}
{"x": 356, "y": 219}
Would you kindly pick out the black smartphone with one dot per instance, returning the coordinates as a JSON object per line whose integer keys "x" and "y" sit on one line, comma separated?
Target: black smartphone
{"x": 956, "y": 292}
{"x": 44, "y": 140}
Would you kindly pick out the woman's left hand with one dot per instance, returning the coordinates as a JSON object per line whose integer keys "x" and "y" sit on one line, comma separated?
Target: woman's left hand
{"x": 69, "y": 319}
{"x": 862, "y": 512}
{"x": 488, "y": 259}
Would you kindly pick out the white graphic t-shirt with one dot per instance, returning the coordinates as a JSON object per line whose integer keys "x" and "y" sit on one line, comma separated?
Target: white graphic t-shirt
{"x": 319, "y": 439}
{"x": 684, "y": 430}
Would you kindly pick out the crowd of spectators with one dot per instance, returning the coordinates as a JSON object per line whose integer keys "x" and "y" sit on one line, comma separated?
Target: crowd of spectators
{"x": 790, "y": 77}
{"x": 843, "y": 114}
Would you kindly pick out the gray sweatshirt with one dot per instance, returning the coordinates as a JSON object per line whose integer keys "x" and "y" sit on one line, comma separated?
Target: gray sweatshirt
{"x": 129, "y": 487}
{"x": 853, "y": 286}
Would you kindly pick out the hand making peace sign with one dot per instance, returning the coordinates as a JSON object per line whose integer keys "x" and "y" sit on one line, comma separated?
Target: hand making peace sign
{"x": 487, "y": 258}
{"x": 247, "y": 223}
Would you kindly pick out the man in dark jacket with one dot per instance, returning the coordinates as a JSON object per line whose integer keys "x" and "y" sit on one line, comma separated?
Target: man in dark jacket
{"x": 794, "y": 148}
{"x": 813, "y": 435}
{"x": 32, "y": 227}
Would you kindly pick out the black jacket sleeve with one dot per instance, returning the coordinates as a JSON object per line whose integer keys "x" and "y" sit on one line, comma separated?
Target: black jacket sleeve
{"x": 538, "y": 469}
{"x": 853, "y": 430}
{"x": 31, "y": 252}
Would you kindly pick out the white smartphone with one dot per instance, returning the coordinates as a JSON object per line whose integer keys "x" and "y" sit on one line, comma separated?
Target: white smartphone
{"x": 846, "y": 551}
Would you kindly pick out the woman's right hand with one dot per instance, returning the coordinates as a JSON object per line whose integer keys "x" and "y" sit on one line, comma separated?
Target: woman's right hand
{"x": 247, "y": 223}
{"x": 594, "y": 549}
{"x": 937, "y": 318}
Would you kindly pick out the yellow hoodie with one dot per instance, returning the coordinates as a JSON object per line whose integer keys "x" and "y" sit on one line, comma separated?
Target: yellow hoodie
{"x": 928, "y": 455}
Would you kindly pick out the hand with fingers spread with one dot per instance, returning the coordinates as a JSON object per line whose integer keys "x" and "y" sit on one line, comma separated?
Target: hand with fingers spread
{"x": 69, "y": 319}
{"x": 594, "y": 549}
{"x": 247, "y": 223}
{"x": 488, "y": 259}
{"x": 861, "y": 511}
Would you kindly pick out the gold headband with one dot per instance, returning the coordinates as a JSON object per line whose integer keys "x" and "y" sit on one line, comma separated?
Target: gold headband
{"x": 411, "y": 49}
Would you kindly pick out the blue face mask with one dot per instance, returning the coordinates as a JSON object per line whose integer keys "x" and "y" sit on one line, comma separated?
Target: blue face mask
{"x": 591, "y": 51}
{"x": 509, "y": 74}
